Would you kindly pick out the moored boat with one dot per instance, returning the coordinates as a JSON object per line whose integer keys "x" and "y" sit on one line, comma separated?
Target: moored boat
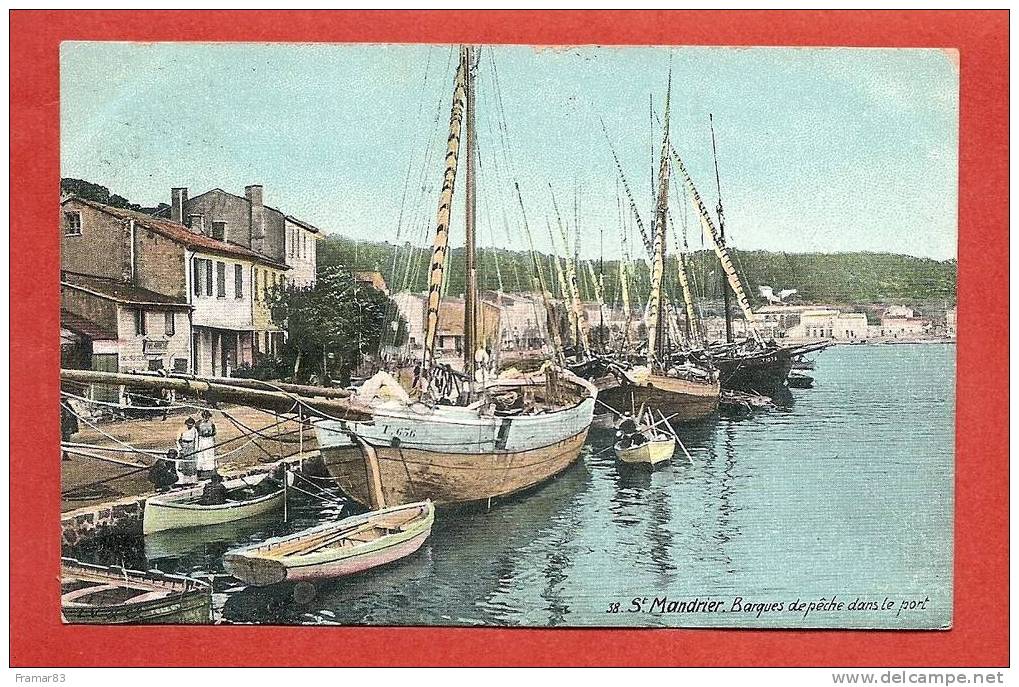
{"x": 658, "y": 449}
{"x": 335, "y": 549}
{"x": 461, "y": 436}
{"x": 452, "y": 454}
{"x": 246, "y": 497}
{"x": 681, "y": 397}
{"x": 93, "y": 594}
{"x": 798, "y": 380}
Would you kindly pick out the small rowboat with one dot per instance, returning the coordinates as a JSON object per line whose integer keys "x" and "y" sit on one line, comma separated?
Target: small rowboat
{"x": 334, "y": 549}
{"x": 182, "y": 509}
{"x": 94, "y": 594}
{"x": 798, "y": 380}
{"x": 652, "y": 452}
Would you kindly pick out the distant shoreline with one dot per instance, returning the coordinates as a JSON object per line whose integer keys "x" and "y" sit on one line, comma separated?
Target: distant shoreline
{"x": 874, "y": 342}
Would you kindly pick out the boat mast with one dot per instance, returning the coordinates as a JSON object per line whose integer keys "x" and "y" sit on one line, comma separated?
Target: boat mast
{"x": 656, "y": 332}
{"x": 564, "y": 289}
{"x": 471, "y": 289}
{"x": 578, "y": 321}
{"x": 721, "y": 251}
{"x": 441, "y": 241}
{"x": 721, "y": 232}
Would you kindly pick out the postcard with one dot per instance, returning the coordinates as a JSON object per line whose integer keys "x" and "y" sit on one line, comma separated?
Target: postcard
{"x": 507, "y": 335}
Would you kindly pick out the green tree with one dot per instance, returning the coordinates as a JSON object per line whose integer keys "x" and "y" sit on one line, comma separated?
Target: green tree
{"x": 334, "y": 325}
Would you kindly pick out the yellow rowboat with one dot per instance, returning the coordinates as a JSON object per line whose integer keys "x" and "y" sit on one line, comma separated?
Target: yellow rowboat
{"x": 657, "y": 450}
{"x": 183, "y": 509}
{"x": 335, "y": 549}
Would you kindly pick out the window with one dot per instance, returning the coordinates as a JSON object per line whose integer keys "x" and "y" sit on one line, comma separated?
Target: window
{"x": 195, "y": 223}
{"x": 196, "y": 276}
{"x": 180, "y": 364}
{"x": 238, "y": 281}
{"x": 72, "y": 224}
{"x": 155, "y": 364}
{"x": 139, "y": 322}
{"x": 254, "y": 283}
{"x": 208, "y": 277}
{"x": 169, "y": 326}
{"x": 291, "y": 235}
{"x": 219, "y": 230}
{"x": 220, "y": 279}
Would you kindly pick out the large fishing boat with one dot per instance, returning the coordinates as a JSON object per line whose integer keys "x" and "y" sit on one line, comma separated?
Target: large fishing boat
{"x": 752, "y": 364}
{"x": 459, "y": 437}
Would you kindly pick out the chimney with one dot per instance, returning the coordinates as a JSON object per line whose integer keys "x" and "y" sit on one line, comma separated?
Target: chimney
{"x": 178, "y": 197}
{"x": 254, "y": 195}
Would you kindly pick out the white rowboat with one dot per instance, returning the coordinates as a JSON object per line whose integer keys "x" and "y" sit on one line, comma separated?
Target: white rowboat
{"x": 335, "y": 549}
{"x": 181, "y": 509}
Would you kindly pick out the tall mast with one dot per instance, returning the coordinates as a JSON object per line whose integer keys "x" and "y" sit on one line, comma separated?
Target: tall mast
{"x": 580, "y": 322}
{"x": 601, "y": 287}
{"x": 721, "y": 250}
{"x": 471, "y": 290}
{"x": 721, "y": 232}
{"x": 441, "y": 241}
{"x": 656, "y": 332}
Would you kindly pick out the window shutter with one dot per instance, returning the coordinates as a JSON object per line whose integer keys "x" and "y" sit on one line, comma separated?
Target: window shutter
{"x": 220, "y": 279}
{"x": 238, "y": 281}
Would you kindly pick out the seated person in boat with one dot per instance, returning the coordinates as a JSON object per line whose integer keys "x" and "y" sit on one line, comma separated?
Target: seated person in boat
{"x": 214, "y": 493}
{"x": 272, "y": 482}
{"x": 627, "y": 426}
{"x": 164, "y": 473}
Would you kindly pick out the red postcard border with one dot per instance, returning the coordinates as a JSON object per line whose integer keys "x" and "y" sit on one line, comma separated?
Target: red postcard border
{"x": 980, "y": 633}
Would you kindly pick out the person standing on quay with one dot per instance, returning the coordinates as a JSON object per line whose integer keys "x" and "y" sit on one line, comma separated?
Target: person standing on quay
{"x": 206, "y": 456}
{"x": 187, "y": 446}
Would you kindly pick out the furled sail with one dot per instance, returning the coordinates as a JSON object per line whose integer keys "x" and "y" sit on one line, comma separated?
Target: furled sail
{"x": 564, "y": 287}
{"x": 579, "y": 320}
{"x": 692, "y": 324}
{"x": 656, "y": 332}
{"x": 441, "y": 241}
{"x": 721, "y": 250}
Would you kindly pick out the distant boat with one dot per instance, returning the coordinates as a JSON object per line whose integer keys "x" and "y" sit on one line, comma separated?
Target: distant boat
{"x": 801, "y": 363}
{"x": 182, "y": 509}
{"x": 94, "y": 594}
{"x": 335, "y": 549}
{"x": 742, "y": 403}
{"x": 798, "y": 380}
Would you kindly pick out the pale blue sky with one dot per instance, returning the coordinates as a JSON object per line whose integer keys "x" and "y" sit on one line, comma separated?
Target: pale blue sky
{"x": 819, "y": 149}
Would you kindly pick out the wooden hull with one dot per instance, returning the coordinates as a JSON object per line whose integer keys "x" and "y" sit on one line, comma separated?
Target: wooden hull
{"x": 169, "y": 512}
{"x": 651, "y": 453}
{"x": 680, "y": 399}
{"x": 100, "y": 596}
{"x": 457, "y": 455}
{"x": 765, "y": 374}
{"x": 258, "y": 565}
{"x": 409, "y": 474}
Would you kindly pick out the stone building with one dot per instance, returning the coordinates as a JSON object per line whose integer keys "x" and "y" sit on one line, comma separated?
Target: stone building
{"x": 828, "y": 323}
{"x": 147, "y": 265}
{"x": 248, "y": 222}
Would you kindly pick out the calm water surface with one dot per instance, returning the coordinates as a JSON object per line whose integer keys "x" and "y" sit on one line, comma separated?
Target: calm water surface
{"x": 848, "y": 492}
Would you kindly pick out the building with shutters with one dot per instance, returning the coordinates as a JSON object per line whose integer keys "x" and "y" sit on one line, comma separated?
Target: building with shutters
{"x": 120, "y": 267}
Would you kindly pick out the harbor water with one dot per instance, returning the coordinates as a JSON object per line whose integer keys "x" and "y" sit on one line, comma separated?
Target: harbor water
{"x": 845, "y": 493}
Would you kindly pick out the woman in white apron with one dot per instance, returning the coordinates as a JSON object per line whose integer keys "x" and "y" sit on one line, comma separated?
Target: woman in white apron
{"x": 205, "y": 458}
{"x": 187, "y": 445}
